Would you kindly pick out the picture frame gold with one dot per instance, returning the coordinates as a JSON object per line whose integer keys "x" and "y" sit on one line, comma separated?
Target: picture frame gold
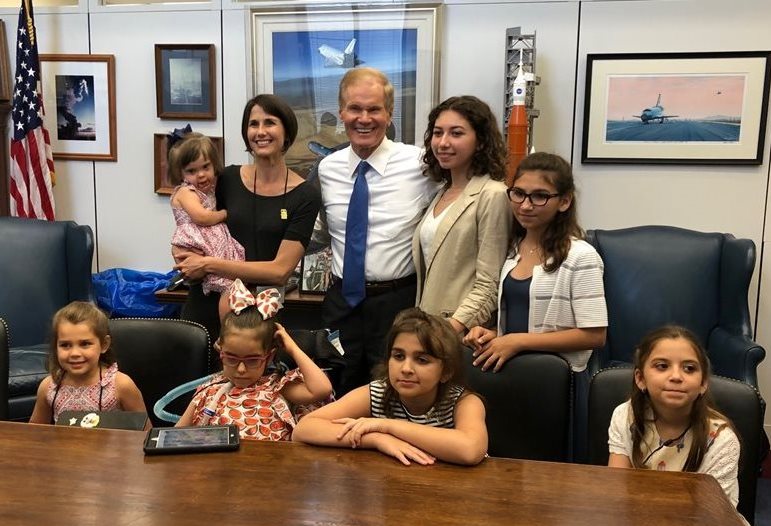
{"x": 80, "y": 94}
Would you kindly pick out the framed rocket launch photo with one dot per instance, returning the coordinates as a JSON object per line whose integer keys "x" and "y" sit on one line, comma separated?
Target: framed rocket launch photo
{"x": 302, "y": 55}
{"x": 676, "y": 108}
{"x": 79, "y": 96}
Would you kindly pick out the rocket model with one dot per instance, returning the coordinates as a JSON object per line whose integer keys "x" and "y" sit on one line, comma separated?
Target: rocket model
{"x": 518, "y": 124}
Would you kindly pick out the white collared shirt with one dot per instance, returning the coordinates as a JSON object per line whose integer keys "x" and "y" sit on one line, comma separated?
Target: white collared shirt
{"x": 398, "y": 195}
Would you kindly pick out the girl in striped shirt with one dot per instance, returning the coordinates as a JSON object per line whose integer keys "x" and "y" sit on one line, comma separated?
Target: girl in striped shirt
{"x": 417, "y": 410}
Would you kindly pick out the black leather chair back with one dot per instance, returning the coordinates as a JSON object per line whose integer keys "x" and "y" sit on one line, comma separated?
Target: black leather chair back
{"x": 160, "y": 354}
{"x": 739, "y": 401}
{"x": 528, "y": 404}
{"x": 46, "y": 264}
{"x": 659, "y": 275}
{"x": 4, "y": 355}
{"x": 314, "y": 343}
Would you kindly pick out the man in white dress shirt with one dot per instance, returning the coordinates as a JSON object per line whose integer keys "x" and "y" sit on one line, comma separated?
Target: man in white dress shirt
{"x": 398, "y": 195}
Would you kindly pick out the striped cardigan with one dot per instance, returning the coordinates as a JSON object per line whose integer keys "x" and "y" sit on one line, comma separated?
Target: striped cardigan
{"x": 573, "y": 296}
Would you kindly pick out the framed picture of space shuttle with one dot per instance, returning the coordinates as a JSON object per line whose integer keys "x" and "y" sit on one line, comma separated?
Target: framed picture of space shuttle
{"x": 676, "y": 108}
{"x": 301, "y": 55}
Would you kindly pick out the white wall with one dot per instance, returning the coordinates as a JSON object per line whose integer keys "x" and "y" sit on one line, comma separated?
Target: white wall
{"x": 133, "y": 225}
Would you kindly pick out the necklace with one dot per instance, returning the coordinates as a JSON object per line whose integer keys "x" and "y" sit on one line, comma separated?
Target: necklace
{"x": 284, "y": 213}
{"x": 530, "y": 251}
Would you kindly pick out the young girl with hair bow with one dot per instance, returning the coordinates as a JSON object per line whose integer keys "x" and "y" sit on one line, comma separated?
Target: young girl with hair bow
{"x": 252, "y": 392}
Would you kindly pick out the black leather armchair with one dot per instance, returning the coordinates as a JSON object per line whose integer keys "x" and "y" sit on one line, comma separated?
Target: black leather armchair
{"x": 739, "y": 401}
{"x": 4, "y": 350}
{"x": 658, "y": 275}
{"x": 159, "y": 354}
{"x": 528, "y": 405}
{"x": 46, "y": 265}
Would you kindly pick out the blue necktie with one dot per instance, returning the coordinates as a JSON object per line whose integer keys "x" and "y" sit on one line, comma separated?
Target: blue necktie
{"x": 356, "y": 238}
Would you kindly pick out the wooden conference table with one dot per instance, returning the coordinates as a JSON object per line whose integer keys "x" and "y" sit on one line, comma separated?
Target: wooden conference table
{"x": 59, "y": 475}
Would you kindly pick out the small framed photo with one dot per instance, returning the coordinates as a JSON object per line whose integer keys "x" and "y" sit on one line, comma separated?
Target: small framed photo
{"x": 316, "y": 272}
{"x": 676, "y": 108}
{"x": 163, "y": 185}
{"x": 185, "y": 81}
{"x": 81, "y": 90}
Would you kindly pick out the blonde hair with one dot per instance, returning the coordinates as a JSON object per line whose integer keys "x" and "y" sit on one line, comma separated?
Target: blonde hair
{"x": 356, "y": 75}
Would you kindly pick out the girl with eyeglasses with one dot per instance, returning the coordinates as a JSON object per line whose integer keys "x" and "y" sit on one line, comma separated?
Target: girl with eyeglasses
{"x": 550, "y": 295}
{"x": 251, "y": 391}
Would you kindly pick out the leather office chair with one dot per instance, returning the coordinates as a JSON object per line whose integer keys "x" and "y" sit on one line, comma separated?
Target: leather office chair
{"x": 159, "y": 354}
{"x": 528, "y": 405}
{"x": 658, "y": 275}
{"x": 314, "y": 343}
{"x": 737, "y": 400}
{"x": 46, "y": 265}
{"x": 4, "y": 350}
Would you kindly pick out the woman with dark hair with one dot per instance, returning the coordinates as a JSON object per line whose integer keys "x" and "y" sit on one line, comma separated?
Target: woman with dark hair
{"x": 271, "y": 211}
{"x": 461, "y": 242}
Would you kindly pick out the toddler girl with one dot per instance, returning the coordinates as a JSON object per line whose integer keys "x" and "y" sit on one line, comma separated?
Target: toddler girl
{"x": 251, "y": 392}
{"x": 84, "y": 375}
{"x": 669, "y": 423}
{"x": 194, "y": 164}
{"x": 418, "y": 410}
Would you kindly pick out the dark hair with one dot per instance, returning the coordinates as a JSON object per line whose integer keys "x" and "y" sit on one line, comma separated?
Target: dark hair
{"x": 75, "y": 313}
{"x": 250, "y": 319}
{"x": 555, "y": 242}
{"x": 187, "y": 150}
{"x": 272, "y": 105}
{"x": 438, "y": 339}
{"x": 701, "y": 411}
{"x": 490, "y": 155}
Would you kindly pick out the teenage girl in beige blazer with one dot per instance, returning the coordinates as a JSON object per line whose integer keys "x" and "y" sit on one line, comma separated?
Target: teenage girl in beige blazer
{"x": 461, "y": 242}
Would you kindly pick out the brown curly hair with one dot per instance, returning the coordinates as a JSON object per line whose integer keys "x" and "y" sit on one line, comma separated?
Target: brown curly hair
{"x": 490, "y": 155}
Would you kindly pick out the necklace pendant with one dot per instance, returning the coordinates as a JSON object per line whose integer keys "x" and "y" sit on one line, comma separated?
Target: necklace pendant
{"x": 284, "y": 214}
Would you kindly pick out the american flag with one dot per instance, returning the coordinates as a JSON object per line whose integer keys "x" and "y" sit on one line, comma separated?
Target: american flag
{"x": 32, "y": 165}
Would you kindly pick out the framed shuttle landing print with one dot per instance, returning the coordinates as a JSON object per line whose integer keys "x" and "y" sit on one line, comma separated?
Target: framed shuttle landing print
{"x": 676, "y": 108}
{"x": 79, "y": 92}
{"x": 301, "y": 55}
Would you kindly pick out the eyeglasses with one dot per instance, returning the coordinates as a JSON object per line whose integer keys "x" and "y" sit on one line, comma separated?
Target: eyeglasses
{"x": 517, "y": 195}
{"x": 252, "y": 362}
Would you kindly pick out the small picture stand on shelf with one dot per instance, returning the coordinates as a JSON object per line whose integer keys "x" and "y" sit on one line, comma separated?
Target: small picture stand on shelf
{"x": 316, "y": 272}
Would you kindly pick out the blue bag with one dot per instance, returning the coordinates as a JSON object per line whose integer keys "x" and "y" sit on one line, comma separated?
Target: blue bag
{"x": 124, "y": 293}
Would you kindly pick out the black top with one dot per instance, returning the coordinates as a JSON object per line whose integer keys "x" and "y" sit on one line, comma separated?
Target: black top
{"x": 256, "y": 221}
{"x": 516, "y": 294}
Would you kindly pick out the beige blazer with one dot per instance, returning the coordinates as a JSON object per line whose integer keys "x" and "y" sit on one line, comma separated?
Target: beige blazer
{"x": 459, "y": 277}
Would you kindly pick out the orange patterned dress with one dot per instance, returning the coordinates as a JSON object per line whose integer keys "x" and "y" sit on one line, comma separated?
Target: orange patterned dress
{"x": 259, "y": 411}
